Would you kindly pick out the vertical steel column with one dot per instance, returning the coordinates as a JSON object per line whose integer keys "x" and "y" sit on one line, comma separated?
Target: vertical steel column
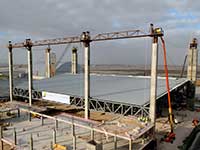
{"x": 10, "y": 58}
{"x": 48, "y": 63}
{"x": 86, "y": 41}
{"x": 28, "y": 45}
{"x": 153, "y": 90}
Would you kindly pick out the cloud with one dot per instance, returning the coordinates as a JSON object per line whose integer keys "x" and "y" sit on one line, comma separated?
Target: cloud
{"x": 41, "y": 19}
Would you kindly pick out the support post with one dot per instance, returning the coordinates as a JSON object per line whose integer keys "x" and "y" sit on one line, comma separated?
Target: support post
{"x": 42, "y": 120}
{"x": 74, "y": 61}
{"x": 153, "y": 86}
{"x": 1, "y": 136}
{"x": 54, "y": 136}
{"x": 130, "y": 145}
{"x": 10, "y": 58}
{"x": 86, "y": 41}
{"x": 14, "y": 136}
{"x": 92, "y": 134}
{"x": 48, "y": 62}
{"x": 29, "y": 116}
{"x": 28, "y": 45}
{"x": 192, "y": 61}
{"x": 115, "y": 142}
{"x": 56, "y": 124}
{"x": 73, "y": 137}
{"x": 18, "y": 112}
{"x": 31, "y": 142}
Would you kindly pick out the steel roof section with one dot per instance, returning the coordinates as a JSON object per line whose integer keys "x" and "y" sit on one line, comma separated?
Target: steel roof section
{"x": 125, "y": 89}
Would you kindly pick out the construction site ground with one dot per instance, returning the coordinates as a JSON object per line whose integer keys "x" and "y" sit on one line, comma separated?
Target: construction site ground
{"x": 43, "y": 134}
{"x": 182, "y": 129}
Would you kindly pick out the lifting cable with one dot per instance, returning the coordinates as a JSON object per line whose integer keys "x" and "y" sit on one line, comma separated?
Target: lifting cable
{"x": 167, "y": 85}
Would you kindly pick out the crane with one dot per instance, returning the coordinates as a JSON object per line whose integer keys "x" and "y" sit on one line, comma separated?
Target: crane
{"x": 98, "y": 37}
{"x": 62, "y": 55}
{"x": 86, "y": 39}
{"x": 183, "y": 68}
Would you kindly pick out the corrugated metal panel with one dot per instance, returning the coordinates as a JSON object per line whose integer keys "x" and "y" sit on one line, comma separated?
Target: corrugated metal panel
{"x": 127, "y": 89}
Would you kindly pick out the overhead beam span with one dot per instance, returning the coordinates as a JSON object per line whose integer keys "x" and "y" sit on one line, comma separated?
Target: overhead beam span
{"x": 98, "y": 37}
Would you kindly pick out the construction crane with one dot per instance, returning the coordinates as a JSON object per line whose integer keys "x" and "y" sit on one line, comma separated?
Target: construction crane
{"x": 98, "y": 37}
{"x": 183, "y": 68}
{"x": 62, "y": 56}
{"x": 86, "y": 39}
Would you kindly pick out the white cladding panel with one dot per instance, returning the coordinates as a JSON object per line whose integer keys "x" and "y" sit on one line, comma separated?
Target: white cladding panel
{"x": 56, "y": 97}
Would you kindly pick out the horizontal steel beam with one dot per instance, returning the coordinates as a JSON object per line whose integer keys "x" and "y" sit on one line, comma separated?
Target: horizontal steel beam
{"x": 98, "y": 37}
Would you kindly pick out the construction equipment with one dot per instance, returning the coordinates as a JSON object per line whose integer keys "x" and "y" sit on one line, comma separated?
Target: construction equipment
{"x": 62, "y": 56}
{"x": 170, "y": 136}
{"x": 98, "y": 37}
{"x": 195, "y": 122}
{"x": 59, "y": 147}
{"x": 183, "y": 68}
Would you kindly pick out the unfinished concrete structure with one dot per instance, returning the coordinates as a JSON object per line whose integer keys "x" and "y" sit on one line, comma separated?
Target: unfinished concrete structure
{"x": 74, "y": 62}
{"x": 48, "y": 62}
{"x": 85, "y": 100}
{"x": 53, "y": 64}
{"x": 192, "y": 61}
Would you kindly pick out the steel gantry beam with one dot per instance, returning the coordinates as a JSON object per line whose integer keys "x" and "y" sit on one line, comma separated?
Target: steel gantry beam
{"x": 86, "y": 39}
{"x": 98, "y": 37}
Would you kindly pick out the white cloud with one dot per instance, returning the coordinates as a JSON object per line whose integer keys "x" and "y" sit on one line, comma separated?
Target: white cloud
{"x": 39, "y": 19}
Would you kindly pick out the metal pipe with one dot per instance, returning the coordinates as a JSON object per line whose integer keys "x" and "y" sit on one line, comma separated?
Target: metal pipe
{"x": 48, "y": 63}
{"x": 153, "y": 87}
{"x": 10, "y": 58}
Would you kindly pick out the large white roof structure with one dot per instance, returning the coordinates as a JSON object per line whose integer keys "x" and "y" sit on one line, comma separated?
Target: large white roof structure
{"x": 124, "y": 89}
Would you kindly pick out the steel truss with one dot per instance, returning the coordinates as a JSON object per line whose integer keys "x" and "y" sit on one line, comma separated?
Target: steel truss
{"x": 103, "y": 105}
{"x": 94, "y": 104}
